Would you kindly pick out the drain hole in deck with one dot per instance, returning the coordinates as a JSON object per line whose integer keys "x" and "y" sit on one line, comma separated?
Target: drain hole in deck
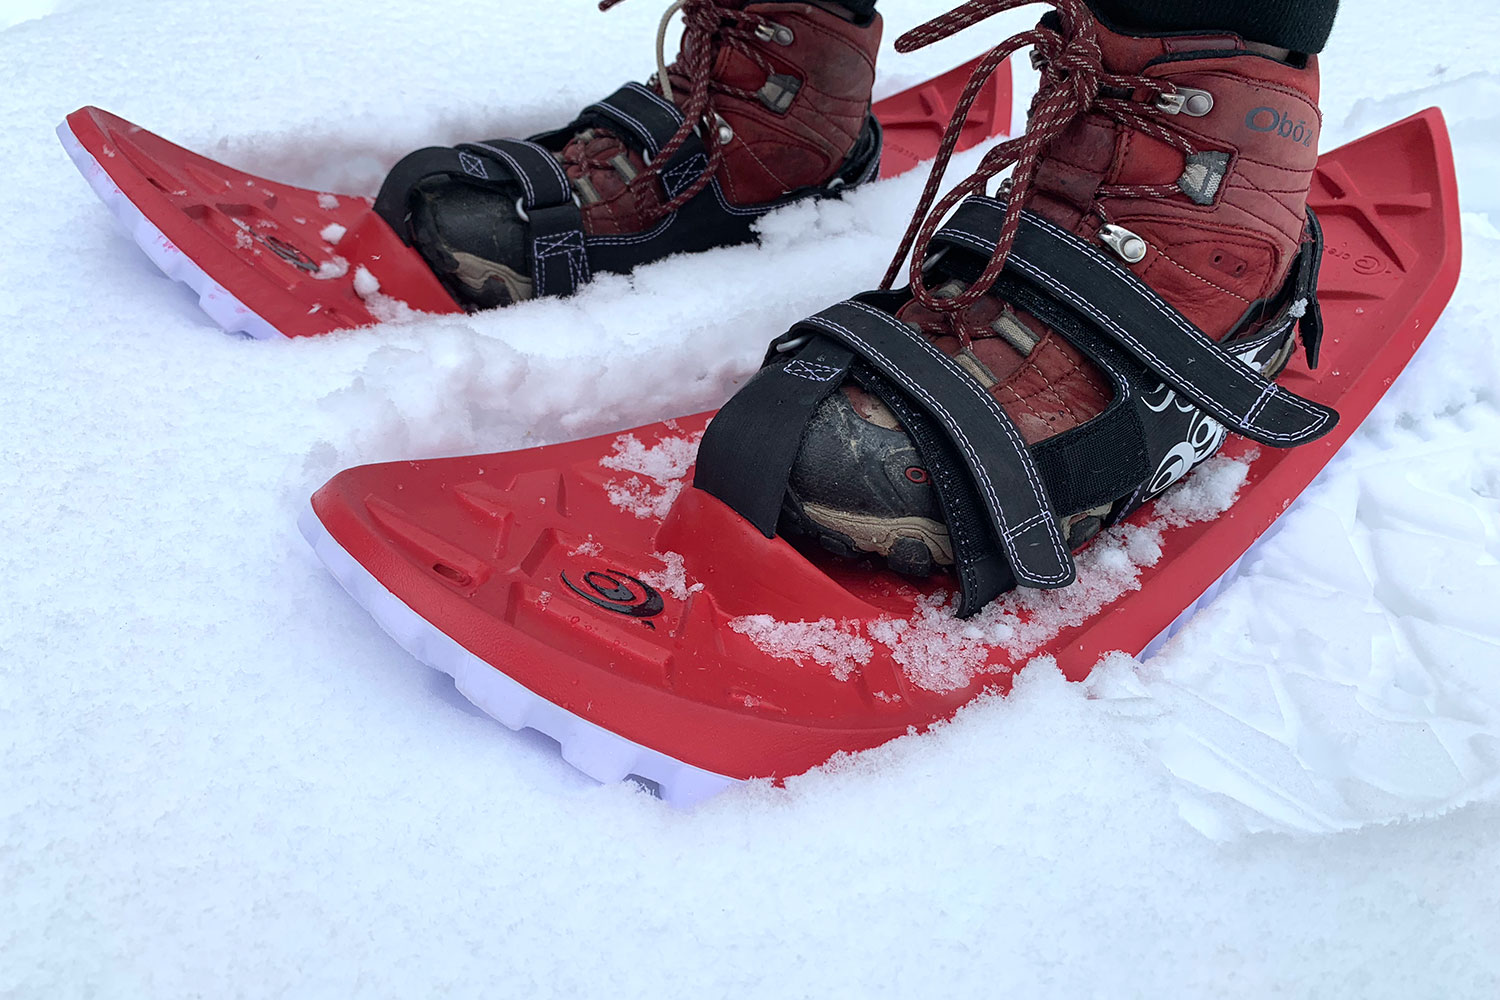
{"x": 449, "y": 573}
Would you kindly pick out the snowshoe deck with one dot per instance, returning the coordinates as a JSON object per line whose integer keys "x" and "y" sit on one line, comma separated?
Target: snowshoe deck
{"x": 269, "y": 259}
{"x": 585, "y": 590}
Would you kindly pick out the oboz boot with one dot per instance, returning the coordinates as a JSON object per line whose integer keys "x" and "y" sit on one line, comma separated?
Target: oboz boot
{"x": 766, "y": 104}
{"x": 1064, "y": 351}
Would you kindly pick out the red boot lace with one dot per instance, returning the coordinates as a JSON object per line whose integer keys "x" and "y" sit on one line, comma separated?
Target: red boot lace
{"x": 1073, "y": 83}
{"x": 708, "y": 26}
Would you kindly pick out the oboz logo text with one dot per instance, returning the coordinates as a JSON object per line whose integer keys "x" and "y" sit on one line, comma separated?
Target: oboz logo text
{"x": 1283, "y": 124}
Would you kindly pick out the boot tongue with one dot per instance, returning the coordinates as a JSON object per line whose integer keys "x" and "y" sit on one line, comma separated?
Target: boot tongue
{"x": 680, "y": 83}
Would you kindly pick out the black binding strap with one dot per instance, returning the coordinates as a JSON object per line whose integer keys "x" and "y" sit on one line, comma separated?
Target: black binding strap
{"x": 983, "y": 572}
{"x": 562, "y": 255}
{"x": 1009, "y": 487}
{"x": 1305, "y": 288}
{"x": 393, "y": 204}
{"x": 559, "y": 259}
{"x": 543, "y": 182}
{"x": 1008, "y": 483}
{"x": 637, "y": 112}
{"x": 1121, "y": 307}
{"x": 748, "y": 450}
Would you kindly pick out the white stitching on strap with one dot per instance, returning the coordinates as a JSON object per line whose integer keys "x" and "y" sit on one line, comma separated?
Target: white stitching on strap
{"x": 1268, "y": 391}
{"x": 962, "y": 440}
{"x": 646, "y": 237}
{"x": 569, "y": 245}
{"x": 1235, "y": 370}
{"x": 689, "y": 170}
{"x": 514, "y": 165}
{"x": 665, "y": 104}
{"x": 642, "y": 132}
{"x": 551, "y": 161}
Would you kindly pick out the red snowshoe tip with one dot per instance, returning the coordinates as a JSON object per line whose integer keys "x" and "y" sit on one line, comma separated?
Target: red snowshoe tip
{"x": 269, "y": 259}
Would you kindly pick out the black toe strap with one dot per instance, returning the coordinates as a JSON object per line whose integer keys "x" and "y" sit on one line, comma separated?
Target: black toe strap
{"x": 560, "y": 260}
{"x": 748, "y": 452}
{"x": 1005, "y": 477}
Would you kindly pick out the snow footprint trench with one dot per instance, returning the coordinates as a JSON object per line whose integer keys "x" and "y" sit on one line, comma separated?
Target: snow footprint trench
{"x": 1349, "y": 676}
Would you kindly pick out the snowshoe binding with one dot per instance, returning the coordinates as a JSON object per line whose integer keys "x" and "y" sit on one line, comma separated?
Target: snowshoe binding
{"x": 1066, "y": 351}
{"x": 585, "y": 589}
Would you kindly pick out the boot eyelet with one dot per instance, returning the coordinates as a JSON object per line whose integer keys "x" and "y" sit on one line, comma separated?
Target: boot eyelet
{"x": 778, "y": 33}
{"x": 1127, "y": 245}
{"x": 1186, "y": 101}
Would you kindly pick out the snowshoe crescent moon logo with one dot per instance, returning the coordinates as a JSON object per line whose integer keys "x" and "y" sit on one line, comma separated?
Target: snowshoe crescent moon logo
{"x": 617, "y": 592}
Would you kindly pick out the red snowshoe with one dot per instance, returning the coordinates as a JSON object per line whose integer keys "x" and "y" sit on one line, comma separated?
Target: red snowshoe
{"x": 269, "y": 259}
{"x": 661, "y": 629}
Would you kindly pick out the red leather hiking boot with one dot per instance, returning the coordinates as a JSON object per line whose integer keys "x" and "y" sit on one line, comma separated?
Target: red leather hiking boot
{"x": 767, "y": 103}
{"x": 1155, "y": 225}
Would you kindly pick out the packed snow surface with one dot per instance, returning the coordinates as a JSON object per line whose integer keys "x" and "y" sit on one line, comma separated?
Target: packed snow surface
{"x": 217, "y": 778}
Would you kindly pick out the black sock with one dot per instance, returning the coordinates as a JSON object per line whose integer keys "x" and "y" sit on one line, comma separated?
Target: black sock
{"x": 862, "y": 10}
{"x": 1299, "y": 25}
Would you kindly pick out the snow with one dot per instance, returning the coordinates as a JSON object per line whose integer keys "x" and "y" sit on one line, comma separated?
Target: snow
{"x": 661, "y": 472}
{"x": 366, "y": 285}
{"x": 332, "y": 233}
{"x": 217, "y": 778}
{"x": 940, "y": 652}
{"x": 334, "y": 267}
{"x": 836, "y": 645}
{"x": 673, "y": 579}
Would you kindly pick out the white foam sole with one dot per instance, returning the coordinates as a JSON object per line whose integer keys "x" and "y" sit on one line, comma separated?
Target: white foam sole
{"x": 221, "y": 307}
{"x": 597, "y": 752}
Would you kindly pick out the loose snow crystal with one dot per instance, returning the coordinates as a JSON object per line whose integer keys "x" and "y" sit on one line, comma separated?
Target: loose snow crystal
{"x": 332, "y": 233}
{"x": 384, "y": 308}
{"x": 663, "y": 466}
{"x": 365, "y": 283}
{"x": 940, "y": 652}
{"x": 327, "y": 202}
{"x": 829, "y": 643}
{"x": 674, "y": 579}
{"x": 333, "y": 267}
{"x": 588, "y": 547}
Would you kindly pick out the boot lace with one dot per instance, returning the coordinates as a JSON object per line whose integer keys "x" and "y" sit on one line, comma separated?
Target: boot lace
{"x": 1074, "y": 82}
{"x": 708, "y": 27}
